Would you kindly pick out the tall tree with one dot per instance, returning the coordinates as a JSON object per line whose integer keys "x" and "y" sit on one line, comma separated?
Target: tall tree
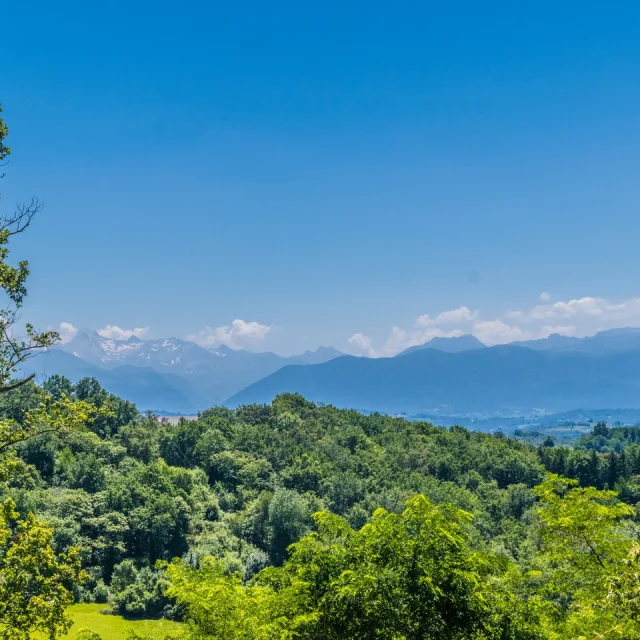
{"x": 34, "y": 581}
{"x": 16, "y": 344}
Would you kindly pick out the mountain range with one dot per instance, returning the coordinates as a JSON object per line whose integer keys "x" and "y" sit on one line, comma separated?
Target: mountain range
{"x": 461, "y": 375}
{"x": 603, "y": 342}
{"x": 168, "y": 374}
{"x": 443, "y": 376}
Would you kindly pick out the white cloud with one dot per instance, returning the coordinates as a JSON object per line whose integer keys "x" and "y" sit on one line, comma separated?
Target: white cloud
{"x": 600, "y": 311}
{"x": 576, "y": 317}
{"x": 498, "y": 332}
{"x": 66, "y": 331}
{"x": 454, "y": 316}
{"x": 360, "y": 345}
{"x": 567, "y": 330}
{"x": 427, "y": 327}
{"x": 114, "y": 332}
{"x": 239, "y": 335}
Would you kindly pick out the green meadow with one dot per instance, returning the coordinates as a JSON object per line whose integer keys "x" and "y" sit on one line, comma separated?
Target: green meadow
{"x": 114, "y": 627}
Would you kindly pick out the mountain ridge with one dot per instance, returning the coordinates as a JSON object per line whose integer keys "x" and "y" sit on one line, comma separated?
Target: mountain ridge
{"x": 454, "y": 344}
{"x": 176, "y": 375}
{"x": 188, "y": 377}
{"x": 500, "y": 378}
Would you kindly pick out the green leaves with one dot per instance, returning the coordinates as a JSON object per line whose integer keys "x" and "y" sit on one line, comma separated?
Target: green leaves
{"x": 582, "y": 525}
{"x": 219, "y": 606}
{"x": 34, "y": 582}
{"x": 4, "y": 132}
{"x": 402, "y": 576}
{"x": 416, "y": 575}
{"x": 587, "y": 554}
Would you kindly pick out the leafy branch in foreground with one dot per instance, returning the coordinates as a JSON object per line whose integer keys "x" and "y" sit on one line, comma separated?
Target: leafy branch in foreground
{"x": 35, "y": 582}
{"x": 16, "y": 349}
{"x": 588, "y": 562}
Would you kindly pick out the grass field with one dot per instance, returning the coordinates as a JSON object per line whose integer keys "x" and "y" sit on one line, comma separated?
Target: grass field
{"x": 111, "y": 627}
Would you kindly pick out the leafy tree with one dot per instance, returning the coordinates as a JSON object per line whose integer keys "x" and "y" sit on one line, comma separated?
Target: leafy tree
{"x": 34, "y": 582}
{"x": 140, "y": 440}
{"x": 585, "y": 549}
{"x": 600, "y": 429}
{"x": 409, "y": 575}
{"x": 139, "y": 592}
{"x": 220, "y": 607}
{"x": 14, "y": 350}
{"x": 58, "y": 386}
{"x": 623, "y": 594}
{"x": 289, "y": 518}
{"x": 581, "y": 526}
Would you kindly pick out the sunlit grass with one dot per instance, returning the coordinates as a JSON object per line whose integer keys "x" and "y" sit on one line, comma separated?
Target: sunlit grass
{"x": 111, "y": 627}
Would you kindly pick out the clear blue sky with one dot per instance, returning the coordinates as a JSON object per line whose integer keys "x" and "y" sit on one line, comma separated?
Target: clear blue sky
{"x": 324, "y": 171}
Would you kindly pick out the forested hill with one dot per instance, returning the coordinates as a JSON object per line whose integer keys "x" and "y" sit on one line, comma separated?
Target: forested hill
{"x": 496, "y": 379}
{"x": 239, "y": 487}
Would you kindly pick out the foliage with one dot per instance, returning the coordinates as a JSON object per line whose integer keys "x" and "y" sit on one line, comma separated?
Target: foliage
{"x": 588, "y": 555}
{"x": 409, "y": 575}
{"x": 482, "y": 548}
{"x": 485, "y": 547}
{"x": 139, "y": 592}
{"x": 34, "y": 583}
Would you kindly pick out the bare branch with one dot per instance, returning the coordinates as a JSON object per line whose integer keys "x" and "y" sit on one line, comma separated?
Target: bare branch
{"x": 22, "y": 217}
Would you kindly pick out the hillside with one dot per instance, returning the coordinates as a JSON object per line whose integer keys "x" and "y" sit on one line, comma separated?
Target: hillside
{"x": 497, "y": 379}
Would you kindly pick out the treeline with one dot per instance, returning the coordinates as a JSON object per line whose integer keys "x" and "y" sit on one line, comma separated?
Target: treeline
{"x": 607, "y": 458}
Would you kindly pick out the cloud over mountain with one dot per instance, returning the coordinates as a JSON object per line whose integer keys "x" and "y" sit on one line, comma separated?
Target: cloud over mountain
{"x": 239, "y": 335}
{"x": 575, "y": 317}
{"x": 66, "y": 331}
{"x": 114, "y": 332}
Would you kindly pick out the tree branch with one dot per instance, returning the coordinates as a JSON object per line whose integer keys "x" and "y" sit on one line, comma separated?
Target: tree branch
{"x": 22, "y": 218}
{"x": 16, "y": 385}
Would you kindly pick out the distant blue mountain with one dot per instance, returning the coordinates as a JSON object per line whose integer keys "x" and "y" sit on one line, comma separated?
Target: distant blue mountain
{"x": 457, "y": 344}
{"x": 142, "y": 385}
{"x": 499, "y": 379}
{"x": 167, "y": 374}
{"x": 445, "y": 375}
{"x": 602, "y": 343}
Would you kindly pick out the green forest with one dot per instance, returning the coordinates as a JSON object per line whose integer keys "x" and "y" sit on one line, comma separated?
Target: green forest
{"x": 298, "y": 521}
{"x": 293, "y": 520}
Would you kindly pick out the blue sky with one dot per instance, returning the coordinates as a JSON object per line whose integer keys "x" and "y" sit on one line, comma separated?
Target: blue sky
{"x": 327, "y": 173}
